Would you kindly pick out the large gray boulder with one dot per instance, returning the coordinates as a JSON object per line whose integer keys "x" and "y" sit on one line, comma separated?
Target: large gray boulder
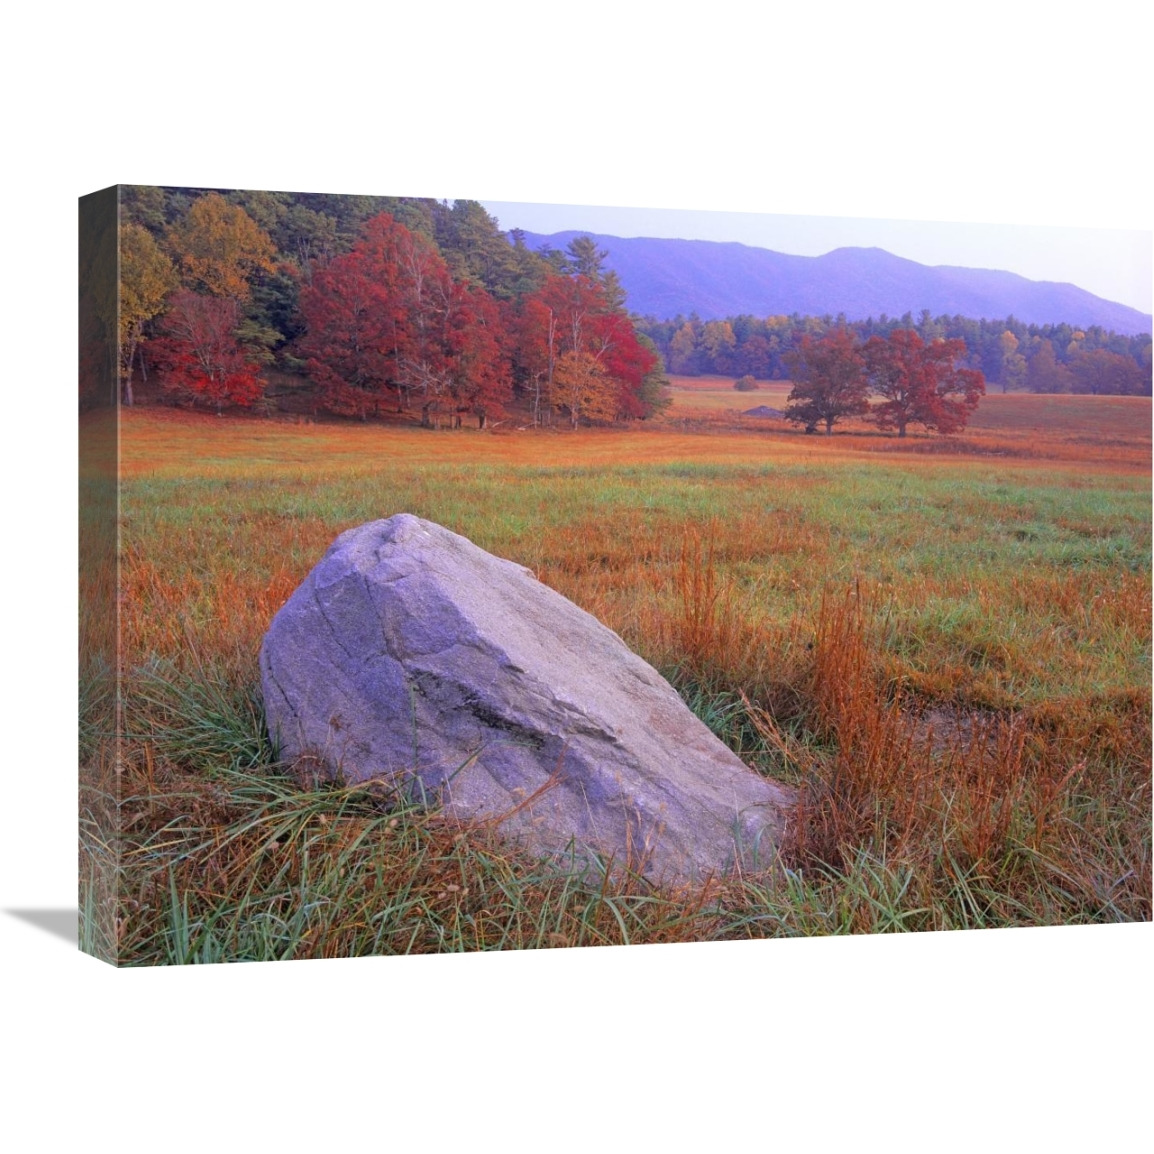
{"x": 409, "y": 654}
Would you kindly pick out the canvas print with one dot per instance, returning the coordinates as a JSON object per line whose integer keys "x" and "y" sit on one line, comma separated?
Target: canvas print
{"x": 463, "y": 576}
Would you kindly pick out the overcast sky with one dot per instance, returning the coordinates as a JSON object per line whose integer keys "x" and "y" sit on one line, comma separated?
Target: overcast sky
{"x": 1111, "y": 263}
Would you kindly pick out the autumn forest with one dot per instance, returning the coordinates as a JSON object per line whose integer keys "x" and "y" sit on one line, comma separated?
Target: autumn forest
{"x": 382, "y": 304}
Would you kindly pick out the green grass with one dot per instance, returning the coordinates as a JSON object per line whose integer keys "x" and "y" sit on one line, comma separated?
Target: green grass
{"x": 228, "y": 859}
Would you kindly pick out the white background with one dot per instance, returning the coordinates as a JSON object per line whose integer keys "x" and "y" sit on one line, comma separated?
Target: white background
{"x": 1020, "y": 114}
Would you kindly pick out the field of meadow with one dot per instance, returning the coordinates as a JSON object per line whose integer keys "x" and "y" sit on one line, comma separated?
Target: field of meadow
{"x": 944, "y": 644}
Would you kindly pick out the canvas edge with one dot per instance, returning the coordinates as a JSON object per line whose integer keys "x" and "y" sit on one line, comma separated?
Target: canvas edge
{"x": 99, "y": 698}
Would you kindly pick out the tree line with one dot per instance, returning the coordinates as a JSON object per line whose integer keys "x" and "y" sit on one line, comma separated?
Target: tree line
{"x": 383, "y": 303}
{"x": 1052, "y": 358}
{"x": 414, "y": 305}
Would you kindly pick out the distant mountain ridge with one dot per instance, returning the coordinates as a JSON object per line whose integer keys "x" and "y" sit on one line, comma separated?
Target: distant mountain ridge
{"x": 663, "y": 278}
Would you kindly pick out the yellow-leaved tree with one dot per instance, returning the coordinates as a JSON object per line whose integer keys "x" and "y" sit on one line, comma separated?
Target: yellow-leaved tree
{"x": 146, "y": 278}
{"x": 584, "y": 389}
{"x": 1013, "y": 363}
{"x": 218, "y": 247}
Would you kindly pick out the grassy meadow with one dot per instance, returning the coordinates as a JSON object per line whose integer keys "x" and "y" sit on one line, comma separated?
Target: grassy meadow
{"x": 943, "y": 643}
{"x": 700, "y": 394}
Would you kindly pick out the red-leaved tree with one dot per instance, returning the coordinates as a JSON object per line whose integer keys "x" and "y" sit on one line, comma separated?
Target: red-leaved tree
{"x": 613, "y": 341}
{"x": 478, "y": 345}
{"x": 348, "y": 341}
{"x": 357, "y": 319}
{"x": 387, "y": 320}
{"x": 536, "y": 350}
{"x": 829, "y": 381}
{"x": 575, "y": 315}
{"x": 198, "y": 349}
{"x": 921, "y": 383}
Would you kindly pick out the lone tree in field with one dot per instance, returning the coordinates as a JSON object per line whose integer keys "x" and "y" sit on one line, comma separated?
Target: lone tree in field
{"x": 1101, "y": 371}
{"x": 921, "y": 383}
{"x": 829, "y": 381}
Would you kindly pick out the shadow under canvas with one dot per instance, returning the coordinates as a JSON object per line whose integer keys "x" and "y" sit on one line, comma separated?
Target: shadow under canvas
{"x": 61, "y": 923}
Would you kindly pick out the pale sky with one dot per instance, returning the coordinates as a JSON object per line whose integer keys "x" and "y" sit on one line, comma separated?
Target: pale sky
{"x": 1111, "y": 263}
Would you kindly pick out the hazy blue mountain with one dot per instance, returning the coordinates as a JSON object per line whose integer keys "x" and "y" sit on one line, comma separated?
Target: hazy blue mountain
{"x": 718, "y": 279}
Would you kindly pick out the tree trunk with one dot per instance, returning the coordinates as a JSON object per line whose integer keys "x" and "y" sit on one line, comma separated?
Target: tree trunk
{"x": 128, "y": 398}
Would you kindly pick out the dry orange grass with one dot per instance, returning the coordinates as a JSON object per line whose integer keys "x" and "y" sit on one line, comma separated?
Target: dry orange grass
{"x": 1105, "y": 432}
{"x": 694, "y": 396}
{"x": 1108, "y": 432}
